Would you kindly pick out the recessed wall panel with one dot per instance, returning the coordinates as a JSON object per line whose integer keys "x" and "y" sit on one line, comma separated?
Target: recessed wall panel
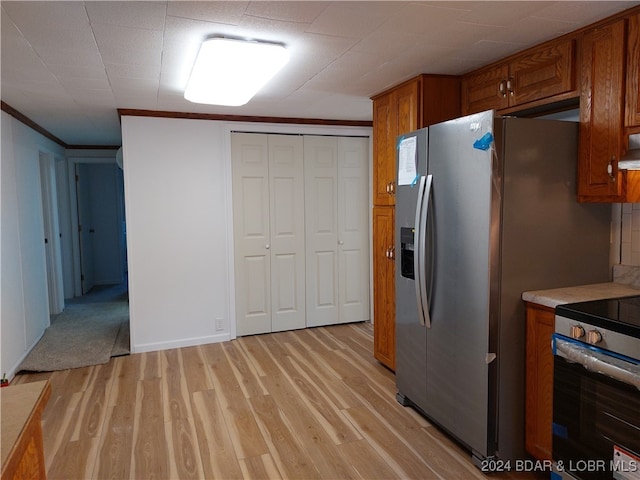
{"x": 253, "y": 194}
{"x": 285, "y": 203}
{"x": 257, "y": 283}
{"x": 284, "y": 269}
{"x": 325, "y": 264}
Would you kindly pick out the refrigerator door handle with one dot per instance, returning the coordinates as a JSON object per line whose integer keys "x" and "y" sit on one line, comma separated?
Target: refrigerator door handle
{"x": 418, "y": 253}
{"x": 422, "y": 246}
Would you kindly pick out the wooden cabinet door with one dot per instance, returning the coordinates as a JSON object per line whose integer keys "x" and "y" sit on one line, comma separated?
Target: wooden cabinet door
{"x": 384, "y": 138}
{"x": 542, "y": 73}
{"x": 394, "y": 113}
{"x": 481, "y": 90}
{"x": 408, "y": 108}
{"x": 633, "y": 73}
{"x": 384, "y": 291}
{"x": 601, "y": 113}
{"x": 539, "y": 381}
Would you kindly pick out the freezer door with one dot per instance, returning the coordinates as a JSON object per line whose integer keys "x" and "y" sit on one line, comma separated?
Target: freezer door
{"x": 465, "y": 232}
{"x": 411, "y": 341}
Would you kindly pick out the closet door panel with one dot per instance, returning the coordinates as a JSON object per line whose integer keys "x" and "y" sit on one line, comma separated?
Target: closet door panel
{"x": 287, "y": 226}
{"x": 353, "y": 229}
{"x": 321, "y": 197}
{"x": 250, "y": 161}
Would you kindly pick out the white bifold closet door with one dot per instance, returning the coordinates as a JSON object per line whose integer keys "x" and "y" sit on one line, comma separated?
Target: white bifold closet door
{"x": 268, "y": 211}
{"x": 337, "y": 229}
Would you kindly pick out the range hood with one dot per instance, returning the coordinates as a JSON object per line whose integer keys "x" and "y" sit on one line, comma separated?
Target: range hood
{"x": 631, "y": 161}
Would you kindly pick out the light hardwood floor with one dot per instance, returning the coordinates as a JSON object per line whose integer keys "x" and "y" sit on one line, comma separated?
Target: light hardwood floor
{"x": 306, "y": 404}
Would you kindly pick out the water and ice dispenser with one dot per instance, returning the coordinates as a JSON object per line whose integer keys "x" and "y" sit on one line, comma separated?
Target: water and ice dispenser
{"x": 406, "y": 252}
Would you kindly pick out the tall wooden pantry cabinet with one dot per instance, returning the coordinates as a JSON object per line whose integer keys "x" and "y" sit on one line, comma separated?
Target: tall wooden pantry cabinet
{"x": 416, "y": 103}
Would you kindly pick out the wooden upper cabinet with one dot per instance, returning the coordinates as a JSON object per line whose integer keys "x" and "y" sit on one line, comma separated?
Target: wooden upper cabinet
{"x": 408, "y": 108}
{"x": 416, "y": 103}
{"x": 632, "y": 117}
{"x": 485, "y": 90}
{"x": 544, "y": 72}
{"x": 384, "y": 134}
{"x": 601, "y": 113}
{"x": 394, "y": 112}
{"x": 541, "y": 75}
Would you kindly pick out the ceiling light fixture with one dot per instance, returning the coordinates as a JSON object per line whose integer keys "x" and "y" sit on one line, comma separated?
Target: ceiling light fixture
{"x": 230, "y": 72}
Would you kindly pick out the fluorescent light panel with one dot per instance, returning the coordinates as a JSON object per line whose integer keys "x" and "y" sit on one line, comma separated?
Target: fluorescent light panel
{"x": 230, "y": 72}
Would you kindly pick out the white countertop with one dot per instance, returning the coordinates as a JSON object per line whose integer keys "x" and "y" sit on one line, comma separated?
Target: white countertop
{"x": 582, "y": 293}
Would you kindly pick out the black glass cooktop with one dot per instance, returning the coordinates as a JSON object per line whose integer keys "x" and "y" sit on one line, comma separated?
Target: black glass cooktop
{"x": 618, "y": 314}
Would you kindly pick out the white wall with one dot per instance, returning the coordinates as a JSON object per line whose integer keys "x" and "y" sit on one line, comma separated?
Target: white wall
{"x": 176, "y": 190}
{"x": 180, "y": 227}
{"x": 24, "y": 306}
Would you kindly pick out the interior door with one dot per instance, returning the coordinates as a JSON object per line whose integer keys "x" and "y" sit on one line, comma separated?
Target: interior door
{"x": 321, "y": 196}
{"x": 85, "y": 227}
{"x": 250, "y": 159}
{"x": 51, "y": 235}
{"x": 353, "y": 230}
{"x": 106, "y": 223}
{"x": 286, "y": 217}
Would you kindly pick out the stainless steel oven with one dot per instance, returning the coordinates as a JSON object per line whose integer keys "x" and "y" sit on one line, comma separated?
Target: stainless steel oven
{"x": 596, "y": 390}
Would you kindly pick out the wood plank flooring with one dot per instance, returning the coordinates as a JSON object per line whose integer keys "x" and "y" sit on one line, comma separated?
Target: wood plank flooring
{"x": 306, "y": 404}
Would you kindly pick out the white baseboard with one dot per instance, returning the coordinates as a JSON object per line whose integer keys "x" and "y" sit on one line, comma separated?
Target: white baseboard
{"x": 14, "y": 369}
{"x": 186, "y": 342}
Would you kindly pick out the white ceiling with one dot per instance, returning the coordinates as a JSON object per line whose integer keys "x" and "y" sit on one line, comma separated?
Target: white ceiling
{"x": 69, "y": 66}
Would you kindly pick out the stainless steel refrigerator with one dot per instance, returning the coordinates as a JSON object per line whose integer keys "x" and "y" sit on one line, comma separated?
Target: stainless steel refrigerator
{"x": 485, "y": 209}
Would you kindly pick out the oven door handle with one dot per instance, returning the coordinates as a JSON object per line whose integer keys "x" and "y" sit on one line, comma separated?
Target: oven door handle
{"x": 596, "y": 360}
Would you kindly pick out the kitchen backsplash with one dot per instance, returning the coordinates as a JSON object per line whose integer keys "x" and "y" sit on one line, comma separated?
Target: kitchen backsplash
{"x": 627, "y": 274}
{"x": 630, "y": 234}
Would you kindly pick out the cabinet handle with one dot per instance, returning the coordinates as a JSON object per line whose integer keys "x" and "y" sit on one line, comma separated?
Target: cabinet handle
{"x": 391, "y": 188}
{"x": 267, "y": 246}
{"x": 391, "y": 252}
{"x": 612, "y": 177}
{"x": 503, "y": 88}
{"x": 510, "y": 86}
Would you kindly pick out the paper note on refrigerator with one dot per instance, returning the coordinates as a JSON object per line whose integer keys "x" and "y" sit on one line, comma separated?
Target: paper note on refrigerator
{"x": 407, "y": 161}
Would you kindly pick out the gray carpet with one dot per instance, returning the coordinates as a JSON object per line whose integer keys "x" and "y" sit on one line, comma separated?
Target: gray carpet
{"x": 84, "y": 334}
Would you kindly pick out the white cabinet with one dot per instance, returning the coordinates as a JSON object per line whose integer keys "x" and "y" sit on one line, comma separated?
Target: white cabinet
{"x": 268, "y": 212}
{"x": 337, "y": 229}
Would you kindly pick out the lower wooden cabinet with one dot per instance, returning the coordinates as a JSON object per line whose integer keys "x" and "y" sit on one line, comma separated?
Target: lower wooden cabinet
{"x": 384, "y": 290}
{"x": 22, "y": 443}
{"x": 539, "y": 381}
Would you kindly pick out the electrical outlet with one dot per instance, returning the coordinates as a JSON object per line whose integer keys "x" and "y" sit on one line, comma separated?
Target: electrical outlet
{"x": 219, "y": 323}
